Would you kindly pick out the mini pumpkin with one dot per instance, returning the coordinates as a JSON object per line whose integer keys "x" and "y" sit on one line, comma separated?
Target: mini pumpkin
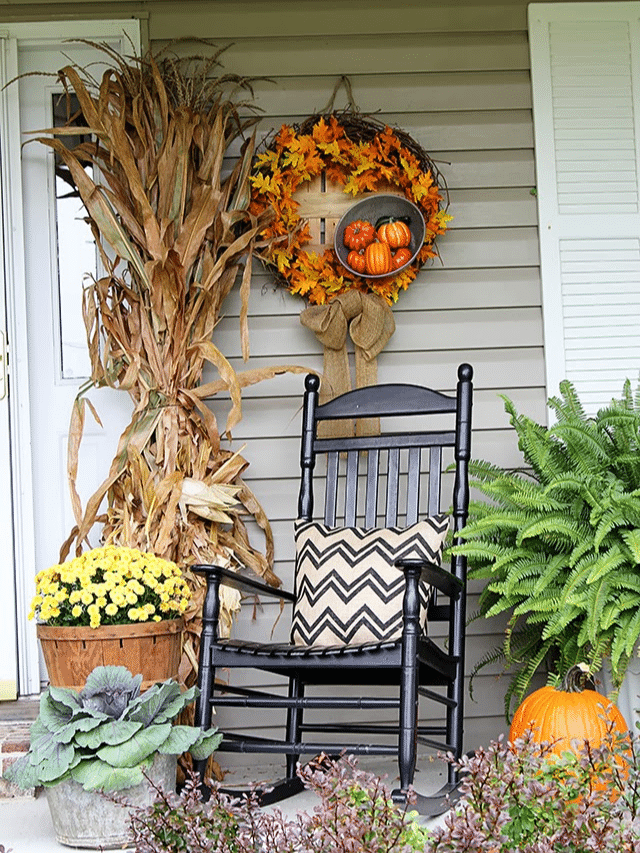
{"x": 395, "y": 232}
{"x": 568, "y": 715}
{"x": 377, "y": 258}
{"x": 359, "y": 234}
{"x": 400, "y": 258}
{"x": 356, "y": 261}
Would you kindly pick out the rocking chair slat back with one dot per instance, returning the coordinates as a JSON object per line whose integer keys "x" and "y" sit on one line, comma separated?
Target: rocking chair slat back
{"x": 365, "y": 464}
{"x": 435, "y": 483}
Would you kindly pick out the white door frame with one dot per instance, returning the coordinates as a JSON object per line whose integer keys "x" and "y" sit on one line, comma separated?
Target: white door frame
{"x": 11, "y": 518}
{"x": 15, "y": 37}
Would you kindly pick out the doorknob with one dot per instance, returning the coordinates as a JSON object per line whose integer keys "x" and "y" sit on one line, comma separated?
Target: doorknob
{"x": 3, "y": 366}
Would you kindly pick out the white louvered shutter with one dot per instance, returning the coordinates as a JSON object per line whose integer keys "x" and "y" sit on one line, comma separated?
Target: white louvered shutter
{"x": 585, "y": 63}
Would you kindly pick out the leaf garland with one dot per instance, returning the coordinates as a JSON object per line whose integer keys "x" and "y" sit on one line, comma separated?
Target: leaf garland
{"x": 361, "y": 155}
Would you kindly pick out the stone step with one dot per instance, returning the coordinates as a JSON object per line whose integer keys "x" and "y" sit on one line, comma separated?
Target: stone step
{"x": 14, "y": 742}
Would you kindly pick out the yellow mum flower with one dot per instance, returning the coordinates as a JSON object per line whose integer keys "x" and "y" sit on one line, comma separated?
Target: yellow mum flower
{"x": 118, "y": 597}
{"x": 110, "y": 579}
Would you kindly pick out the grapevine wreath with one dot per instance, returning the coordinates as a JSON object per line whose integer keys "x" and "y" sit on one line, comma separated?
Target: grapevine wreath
{"x": 361, "y": 155}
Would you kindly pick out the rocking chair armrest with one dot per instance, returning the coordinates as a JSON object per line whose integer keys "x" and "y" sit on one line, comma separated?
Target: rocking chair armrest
{"x": 436, "y": 576}
{"x": 237, "y": 581}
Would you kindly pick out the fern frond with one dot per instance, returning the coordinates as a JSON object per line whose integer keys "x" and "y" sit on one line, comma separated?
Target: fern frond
{"x": 531, "y": 495}
{"x": 535, "y": 566}
{"x": 629, "y": 506}
{"x": 628, "y": 582}
{"x": 569, "y": 654}
{"x": 598, "y": 594}
{"x": 554, "y": 523}
{"x": 493, "y": 522}
{"x": 606, "y": 563}
{"x": 570, "y": 485}
{"x": 626, "y": 638}
{"x": 485, "y": 472}
{"x": 540, "y": 450}
{"x": 585, "y": 546}
{"x": 632, "y": 634}
{"x": 584, "y": 443}
{"x": 486, "y": 660}
{"x": 550, "y": 569}
{"x": 522, "y": 679}
{"x": 547, "y": 603}
{"x": 559, "y": 622}
{"x": 568, "y": 406}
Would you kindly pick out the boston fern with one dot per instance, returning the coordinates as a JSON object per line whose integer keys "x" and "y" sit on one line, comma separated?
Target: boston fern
{"x": 559, "y": 543}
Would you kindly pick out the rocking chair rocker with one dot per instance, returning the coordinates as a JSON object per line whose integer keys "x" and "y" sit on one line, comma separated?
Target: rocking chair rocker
{"x": 362, "y": 592}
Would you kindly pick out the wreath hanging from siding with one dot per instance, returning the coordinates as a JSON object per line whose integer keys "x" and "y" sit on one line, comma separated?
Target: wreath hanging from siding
{"x": 352, "y": 154}
{"x": 309, "y": 175}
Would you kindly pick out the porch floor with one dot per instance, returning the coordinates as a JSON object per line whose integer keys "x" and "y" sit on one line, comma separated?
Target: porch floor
{"x": 26, "y": 827}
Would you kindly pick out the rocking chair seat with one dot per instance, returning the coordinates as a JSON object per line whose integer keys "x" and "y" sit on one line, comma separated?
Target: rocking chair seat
{"x": 278, "y": 657}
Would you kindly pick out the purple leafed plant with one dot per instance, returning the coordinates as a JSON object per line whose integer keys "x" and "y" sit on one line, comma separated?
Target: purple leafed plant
{"x": 516, "y": 798}
{"x": 355, "y": 813}
{"x": 520, "y": 797}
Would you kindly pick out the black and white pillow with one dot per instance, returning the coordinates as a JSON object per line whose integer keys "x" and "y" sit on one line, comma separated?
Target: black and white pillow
{"x": 348, "y": 590}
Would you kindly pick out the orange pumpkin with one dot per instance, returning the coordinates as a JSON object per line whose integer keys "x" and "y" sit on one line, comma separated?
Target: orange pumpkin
{"x": 395, "y": 232}
{"x": 400, "y": 258}
{"x": 358, "y": 234}
{"x": 377, "y": 258}
{"x": 565, "y": 714}
{"x": 356, "y": 261}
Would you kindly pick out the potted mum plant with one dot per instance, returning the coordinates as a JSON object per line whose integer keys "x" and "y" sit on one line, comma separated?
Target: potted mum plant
{"x": 107, "y": 738}
{"x": 110, "y": 605}
{"x": 559, "y": 544}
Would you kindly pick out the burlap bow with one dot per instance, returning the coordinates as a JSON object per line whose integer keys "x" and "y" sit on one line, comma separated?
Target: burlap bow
{"x": 369, "y": 321}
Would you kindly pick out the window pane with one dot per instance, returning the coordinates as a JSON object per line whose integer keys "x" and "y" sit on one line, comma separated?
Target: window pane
{"x": 77, "y": 256}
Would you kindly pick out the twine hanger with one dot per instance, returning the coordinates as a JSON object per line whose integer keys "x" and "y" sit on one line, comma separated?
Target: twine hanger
{"x": 351, "y": 104}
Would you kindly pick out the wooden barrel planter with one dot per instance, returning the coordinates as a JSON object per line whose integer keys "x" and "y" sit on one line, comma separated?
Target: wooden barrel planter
{"x": 150, "y": 648}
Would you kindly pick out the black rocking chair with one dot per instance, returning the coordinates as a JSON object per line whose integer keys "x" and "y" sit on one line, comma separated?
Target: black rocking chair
{"x": 388, "y": 479}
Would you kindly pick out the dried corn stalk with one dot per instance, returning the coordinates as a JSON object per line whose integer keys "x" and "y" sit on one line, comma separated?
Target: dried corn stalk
{"x": 173, "y": 232}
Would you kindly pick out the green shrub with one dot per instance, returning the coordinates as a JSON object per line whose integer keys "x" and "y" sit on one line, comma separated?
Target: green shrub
{"x": 559, "y": 541}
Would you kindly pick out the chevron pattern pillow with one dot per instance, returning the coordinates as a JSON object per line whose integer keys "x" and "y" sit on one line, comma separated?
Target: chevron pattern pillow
{"x": 348, "y": 590}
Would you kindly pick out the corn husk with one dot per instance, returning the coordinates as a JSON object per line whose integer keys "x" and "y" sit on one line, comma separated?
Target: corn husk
{"x": 174, "y": 233}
